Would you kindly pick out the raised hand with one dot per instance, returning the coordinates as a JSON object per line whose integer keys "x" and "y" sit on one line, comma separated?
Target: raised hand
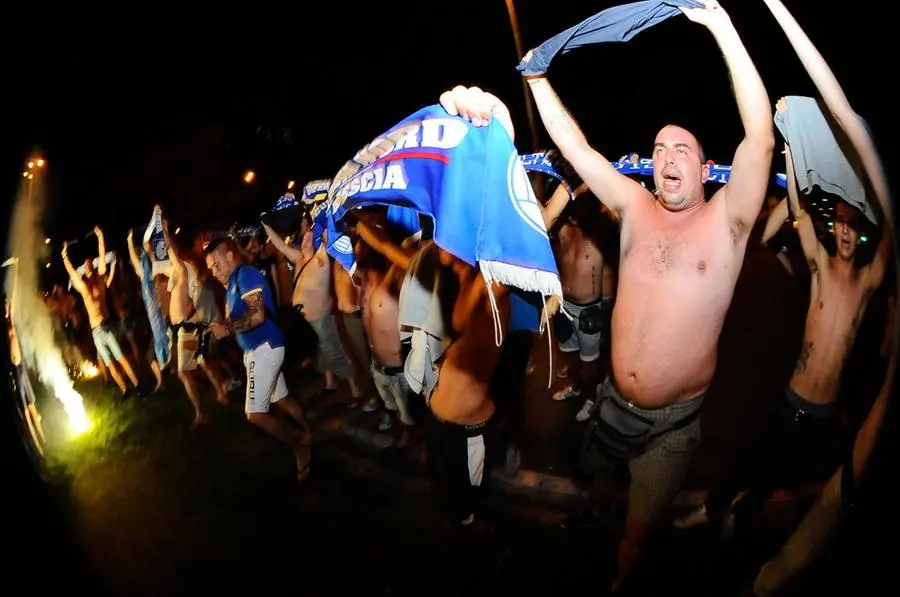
{"x": 476, "y": 106}
{"x": 711, "y": 14}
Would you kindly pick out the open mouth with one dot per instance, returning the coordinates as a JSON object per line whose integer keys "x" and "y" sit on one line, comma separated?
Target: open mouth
{"x": 671, "y": 182}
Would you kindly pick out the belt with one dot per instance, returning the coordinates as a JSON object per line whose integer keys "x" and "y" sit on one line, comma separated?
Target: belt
{"x": 387, "y": 369}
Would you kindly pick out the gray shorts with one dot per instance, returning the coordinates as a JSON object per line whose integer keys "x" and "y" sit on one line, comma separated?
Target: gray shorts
{"x": 588, "y": 346}
{"x": 330, "y": 353}
{"x": 107, "y": 345}
{"x": 658, "y": 473}
{"x": 394, "y": 390}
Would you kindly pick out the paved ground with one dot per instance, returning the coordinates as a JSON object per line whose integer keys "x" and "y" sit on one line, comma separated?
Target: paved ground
{"x": 142, "y": 506}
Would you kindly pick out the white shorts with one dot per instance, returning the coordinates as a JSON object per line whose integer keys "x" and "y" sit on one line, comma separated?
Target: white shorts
{"x": 265, "y": 382}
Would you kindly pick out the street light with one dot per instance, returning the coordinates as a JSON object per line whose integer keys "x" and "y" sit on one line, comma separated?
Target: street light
{"x": 249, "y": 176}
{"x": 33, "y": 165}
{"x": 290, "y": 184}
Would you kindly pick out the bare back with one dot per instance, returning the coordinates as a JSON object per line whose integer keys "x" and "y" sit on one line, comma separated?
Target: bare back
{"x": 380, "y": 315}
{"x": 180, "y": 304}
{"x": 676, "y": 279}
{"x": 581, "y": 265}
{"x": 94, "y": 294}
{"x": 462, "y": 393}
{"x": 838, "y": 300}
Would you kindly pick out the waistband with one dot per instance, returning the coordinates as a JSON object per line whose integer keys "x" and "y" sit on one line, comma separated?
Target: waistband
{"x": 357, "y": 314}
{"x": 805, "y": 407}
{"x": 668, "y": 413}
{"x": 590, "y": 304}
{"x": 469, "y": 430}
{"x": 387, "y": 369}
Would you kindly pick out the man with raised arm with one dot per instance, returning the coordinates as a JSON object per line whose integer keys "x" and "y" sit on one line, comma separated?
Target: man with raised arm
{"x": 92, "y": 287}
{"x": 839, "y": 294}
{"x": 807, "y": 420}
{"x": 680, "y": 260}
{"x": 186, "y": 312}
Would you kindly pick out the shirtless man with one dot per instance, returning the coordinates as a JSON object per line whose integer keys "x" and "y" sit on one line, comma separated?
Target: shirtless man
{"x": 380, "y": 266}
{"x": 806, "y": 421}
{"x": 586, "y": 282}
{"x": 312, "y": 295}
{"x": 348, "y": 296}
{"x": 92, "y": 288}
{"x": 458, "y": 424}
{"x": 183, "y": 313}
{"x": 248, "y": 298}
{"x": 680, "y": 260}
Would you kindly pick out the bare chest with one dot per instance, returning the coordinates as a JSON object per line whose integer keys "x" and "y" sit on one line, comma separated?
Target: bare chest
{"x": 378, "y": 300}
{"x": 839, "y": 302}
{"x": 700, "y": 249}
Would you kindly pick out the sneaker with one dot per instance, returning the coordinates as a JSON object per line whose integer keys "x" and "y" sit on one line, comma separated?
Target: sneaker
{"x": 386, "y": 422}
{"x": 585, "y": 413}
{"x": 567, "y": 393}
{"x": 692, "y": 518}
{"x": 371, "y": 405}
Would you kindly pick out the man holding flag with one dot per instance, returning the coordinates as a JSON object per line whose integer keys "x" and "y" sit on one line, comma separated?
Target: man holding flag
{"x": 680, "y": 260}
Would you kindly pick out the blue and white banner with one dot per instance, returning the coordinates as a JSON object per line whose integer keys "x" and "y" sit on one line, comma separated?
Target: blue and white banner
{"x": 471, "y": 181}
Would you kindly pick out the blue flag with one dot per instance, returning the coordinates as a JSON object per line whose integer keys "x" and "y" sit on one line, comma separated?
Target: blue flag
{"x": 405, "y": 220}
{"x": 470, "y": 180}
{"x": 154, "y": 312}
{"x": 618, "y": 23}
{"x": 340, "y": 247}
{"x": 319, "y": 215}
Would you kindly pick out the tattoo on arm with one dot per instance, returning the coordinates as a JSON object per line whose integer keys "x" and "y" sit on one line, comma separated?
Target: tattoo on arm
{"x": 246, "y": 321}
{"x": 560, "y": 121}
{"x": 805, "y": 352}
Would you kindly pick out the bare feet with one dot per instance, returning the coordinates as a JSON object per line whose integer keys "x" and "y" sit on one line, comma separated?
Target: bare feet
{"x": 199, "y": 420}
{"x": 222, "y": 399}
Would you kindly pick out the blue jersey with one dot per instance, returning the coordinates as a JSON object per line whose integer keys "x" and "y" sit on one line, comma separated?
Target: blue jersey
{"x": 244, "y": 281}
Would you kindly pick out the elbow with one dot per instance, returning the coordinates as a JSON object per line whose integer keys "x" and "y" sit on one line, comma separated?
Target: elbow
{"x": 763, "y": 141}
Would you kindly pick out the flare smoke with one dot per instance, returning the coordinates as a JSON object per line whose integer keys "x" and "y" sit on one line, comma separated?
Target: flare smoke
{"x": 31, "y": 316}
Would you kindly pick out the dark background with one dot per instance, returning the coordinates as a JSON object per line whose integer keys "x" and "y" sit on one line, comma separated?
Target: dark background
{"x": 172, "y": 106}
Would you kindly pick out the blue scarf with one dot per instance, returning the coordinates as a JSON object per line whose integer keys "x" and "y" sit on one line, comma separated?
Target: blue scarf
{"x": 718, "y": 173}
{"x": 315, "y": 191}
{"x": 618, "y": 23}
{"x": 154, "y": 312}
{"x": 552, "y": 163}
{"x": 470, "y": 180}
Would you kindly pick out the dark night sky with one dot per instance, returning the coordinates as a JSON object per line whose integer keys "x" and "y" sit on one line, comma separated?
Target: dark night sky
{"x": 104, "y": 96}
